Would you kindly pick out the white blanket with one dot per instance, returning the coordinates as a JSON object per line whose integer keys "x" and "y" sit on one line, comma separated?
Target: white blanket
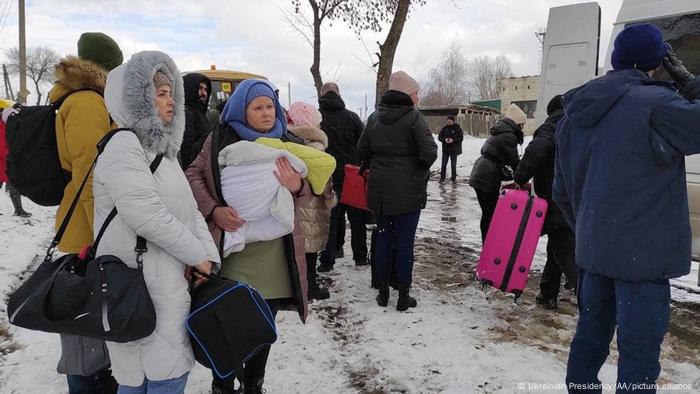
{"x": 249, "y": 186}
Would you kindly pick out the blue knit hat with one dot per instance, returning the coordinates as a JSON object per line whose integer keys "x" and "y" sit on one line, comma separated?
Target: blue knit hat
{"x": 234, "y": 110}
{"x": 639, "y": 47}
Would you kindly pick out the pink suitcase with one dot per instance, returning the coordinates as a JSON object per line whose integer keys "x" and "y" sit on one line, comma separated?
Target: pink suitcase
{"x": 511, "y": 241}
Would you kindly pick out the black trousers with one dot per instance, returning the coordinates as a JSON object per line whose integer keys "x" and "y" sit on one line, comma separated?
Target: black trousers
{"x": 358, "y": 234}
{"x": 561, "y": 259}
{"x": 487, "y": 202}
{"x": 452, "y": 158}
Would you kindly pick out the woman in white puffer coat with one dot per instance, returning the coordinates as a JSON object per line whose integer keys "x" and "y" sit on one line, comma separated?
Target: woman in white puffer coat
{"x": 146, "y": 95}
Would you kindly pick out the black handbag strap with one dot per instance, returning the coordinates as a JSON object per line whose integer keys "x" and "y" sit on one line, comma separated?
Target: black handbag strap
{"x": 66, "y": 220}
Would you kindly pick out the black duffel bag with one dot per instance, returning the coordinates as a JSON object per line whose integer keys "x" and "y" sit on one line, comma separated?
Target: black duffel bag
{"x": 229, "y": 323}
{"x": 99, "y": 297}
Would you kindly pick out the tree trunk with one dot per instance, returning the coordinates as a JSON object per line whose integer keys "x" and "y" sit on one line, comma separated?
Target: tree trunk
{"x": 38, "y": 93}
{"x": 316, "y": 66}
{"x": 387, "y": 50}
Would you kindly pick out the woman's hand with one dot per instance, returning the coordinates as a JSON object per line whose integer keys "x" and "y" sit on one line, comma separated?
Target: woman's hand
{"x": 227, "y": 218}
{"x": 202, "y": 268}
{"x": 287, "y": 175}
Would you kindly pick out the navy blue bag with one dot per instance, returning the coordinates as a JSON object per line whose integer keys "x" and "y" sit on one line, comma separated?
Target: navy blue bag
{"x": 229, "y": 323}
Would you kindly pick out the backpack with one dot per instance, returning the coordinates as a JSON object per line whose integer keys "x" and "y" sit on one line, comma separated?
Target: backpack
{"x": 33, "y": 164}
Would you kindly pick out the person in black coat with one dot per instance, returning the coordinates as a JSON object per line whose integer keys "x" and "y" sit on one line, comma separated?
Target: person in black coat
{"x": 451, "y": 137}
{"x": 197, "y": 125}
{"x": 343, "y": 128}
{"x": 499, "y": 156}
{"x": 538, "y": 163}
{"x": 399, "y": 149}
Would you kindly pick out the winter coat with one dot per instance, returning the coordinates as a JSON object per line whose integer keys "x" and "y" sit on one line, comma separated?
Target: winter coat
{"x": 399, "y": 148}
{"x": 315, "y": 217}
{"x": 204, "y": 178}
{"x": 81, "y": 122}
{"x": 197, "y": 125}
{"x": 159, "y": 207}
{"x": 453, "y": 131}
{"x": 343, "y": 128}
{"x": 320, "y": 164}
{"x": 3, "y": 153}
{"x": 499, "y": 150}
{"x": 248, "y": 183}
{"x": 620, "y": 175}
{"x": 538, "y": 163}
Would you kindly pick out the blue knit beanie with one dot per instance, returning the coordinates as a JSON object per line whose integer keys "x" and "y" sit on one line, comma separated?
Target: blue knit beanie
{"x": 639, "y": 47}
{"x": 234, "y": 110}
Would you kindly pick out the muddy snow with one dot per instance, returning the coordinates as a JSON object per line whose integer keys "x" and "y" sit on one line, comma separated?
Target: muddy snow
{"x": 460, "y": 339}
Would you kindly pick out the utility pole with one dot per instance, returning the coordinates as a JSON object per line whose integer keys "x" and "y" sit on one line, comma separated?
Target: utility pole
{"x": 22, "y": 97}
{"x": 289, "y": 95}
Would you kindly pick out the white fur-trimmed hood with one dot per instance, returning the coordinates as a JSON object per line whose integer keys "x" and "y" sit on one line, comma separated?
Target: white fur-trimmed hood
{"x": 130, "y": 94}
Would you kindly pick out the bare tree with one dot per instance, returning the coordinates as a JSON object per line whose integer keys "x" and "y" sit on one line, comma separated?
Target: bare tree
{"x": 311, "y": 29}
{"x": 373, "y": 15}
{"x": 484, "y": 73}
{"x": 40, "y": 65}
{"x": 448, "y": 82}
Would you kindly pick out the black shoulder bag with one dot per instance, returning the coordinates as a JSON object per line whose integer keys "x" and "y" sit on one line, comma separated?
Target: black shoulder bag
{"x": 98, "y": 297}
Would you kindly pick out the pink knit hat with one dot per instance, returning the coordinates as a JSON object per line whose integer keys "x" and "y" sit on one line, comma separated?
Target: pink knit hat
{"x": 304, "y": 114}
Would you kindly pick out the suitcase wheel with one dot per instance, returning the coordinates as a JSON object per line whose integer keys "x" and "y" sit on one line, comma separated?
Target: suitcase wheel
{"x": 522, "y": 269}
{"x": 539, "y": 214}
{"x": 514, "y": 206}
{"x": 518, "y": 300}
{"x": 497, "y": 261}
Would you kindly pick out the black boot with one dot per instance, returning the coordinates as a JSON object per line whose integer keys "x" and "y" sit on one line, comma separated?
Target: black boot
{"x": 405, "y": 300}
{"x": 383, "y": 296}
{"x": 546, "y": 301}
{"x": 16, "y": 199}
{"x": 315, "y": 291}
{"x": 253, "y": 386}
{"x": 325, "y": 267}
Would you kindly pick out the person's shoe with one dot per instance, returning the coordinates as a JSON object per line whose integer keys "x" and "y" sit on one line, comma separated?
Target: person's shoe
{"x": 405, "y": 300}
{"x": 454, "y": 180}
{"x": 383, "y": 296}
{"x": 318, "y": 293}
{"x": 442, "y": 180}
{"x": 325, "y": 267}
{"x": 339, "y": 253}
{"x": 254, "y": 386}
{"x": 361, "y": 262}
{"x": 548, "y": 302}
{"x": 23, "y": 214}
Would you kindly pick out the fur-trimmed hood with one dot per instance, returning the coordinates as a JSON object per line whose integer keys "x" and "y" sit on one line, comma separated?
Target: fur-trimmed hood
{"x": 130, "y": 95}
{"x": 73, "y": 74}
{"x": 312, "y": 136}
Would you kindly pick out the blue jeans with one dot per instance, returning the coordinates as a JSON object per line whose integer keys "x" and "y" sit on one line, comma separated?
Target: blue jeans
{"x": 169, "y": 386}
{"x": 641, "y": 312}
{"x": 395, "y": 240}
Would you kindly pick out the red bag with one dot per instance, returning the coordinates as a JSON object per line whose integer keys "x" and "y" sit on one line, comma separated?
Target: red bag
{"x": 355, "y": 187}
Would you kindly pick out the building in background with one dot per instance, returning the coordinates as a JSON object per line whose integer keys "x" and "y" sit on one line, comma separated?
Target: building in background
{"x": 475, "y": 120}
{"x": 521, "y": 91}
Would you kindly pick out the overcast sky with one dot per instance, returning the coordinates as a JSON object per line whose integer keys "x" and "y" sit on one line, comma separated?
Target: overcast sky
{"x": 251, "y": 35}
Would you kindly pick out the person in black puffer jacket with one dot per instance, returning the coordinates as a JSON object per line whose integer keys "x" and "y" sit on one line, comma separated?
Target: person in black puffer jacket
{"x": 399, "y": 148}
{"x": 343, "y": 128}
{"x": 538, "y": 162}
{"x": 499, "y": 156}
{"x": 451, "y": 137}
{"x": 197, "y": 125}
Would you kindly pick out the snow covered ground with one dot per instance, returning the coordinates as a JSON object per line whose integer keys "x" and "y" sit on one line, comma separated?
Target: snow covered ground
{"x": 459, "y": 339}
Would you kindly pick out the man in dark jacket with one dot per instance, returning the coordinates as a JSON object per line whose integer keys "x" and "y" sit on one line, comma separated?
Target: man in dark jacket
{"x": 399, "y": 148}
{"x": 620, "y": 181}
{"x": 343, "y": 128}
{"x": 197, "y": 125}
{"x": 451, "y": 137}
{"x": 499, "y": 150}
{"x": 538, "y": 162}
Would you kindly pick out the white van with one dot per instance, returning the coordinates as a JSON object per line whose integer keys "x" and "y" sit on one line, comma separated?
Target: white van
{"x": 571, "y": 56}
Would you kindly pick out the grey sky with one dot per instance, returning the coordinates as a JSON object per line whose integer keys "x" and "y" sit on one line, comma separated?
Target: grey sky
{"x": 251, "y": 36}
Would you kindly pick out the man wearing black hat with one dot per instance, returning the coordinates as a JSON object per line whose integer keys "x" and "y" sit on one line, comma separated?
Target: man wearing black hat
{"x": 538, "y": 163}
{"x": 451, "y": 137}
{"x": 620, "y": 182}
{"x": 197, "y": 125}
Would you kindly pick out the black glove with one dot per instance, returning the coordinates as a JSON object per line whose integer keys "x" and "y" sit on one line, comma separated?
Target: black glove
{"x": 691, "y": 90}
{"x": 675, "y": 67}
